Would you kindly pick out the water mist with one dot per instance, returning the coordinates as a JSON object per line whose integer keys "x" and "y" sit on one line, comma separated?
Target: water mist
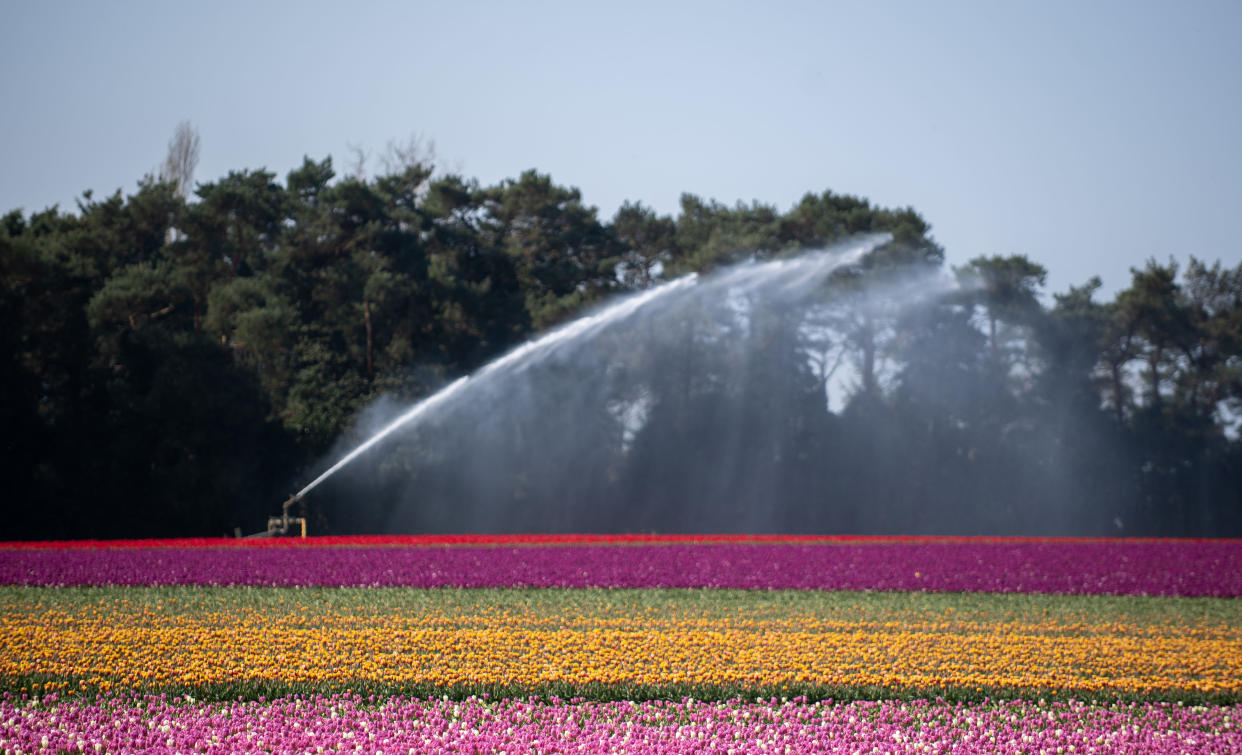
{"x": 529, "y": 441}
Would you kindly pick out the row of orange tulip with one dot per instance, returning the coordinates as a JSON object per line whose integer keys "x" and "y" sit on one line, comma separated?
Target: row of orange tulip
{"x": 744, "y": 639}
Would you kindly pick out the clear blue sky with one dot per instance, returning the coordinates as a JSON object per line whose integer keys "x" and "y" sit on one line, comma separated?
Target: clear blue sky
{"x": 1089, "y": 135}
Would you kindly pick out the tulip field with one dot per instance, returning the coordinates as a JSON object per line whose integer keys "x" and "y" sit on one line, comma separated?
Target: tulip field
{"x": 540, "y": 644}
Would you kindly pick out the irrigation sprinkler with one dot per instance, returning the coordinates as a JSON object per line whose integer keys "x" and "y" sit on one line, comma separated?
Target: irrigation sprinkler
{"x": 278, "y": 526}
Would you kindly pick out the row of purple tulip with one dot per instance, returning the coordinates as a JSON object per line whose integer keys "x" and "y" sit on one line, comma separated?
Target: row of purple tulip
{"x": 1124, "y": 567}
{"x": 397, "y": 725}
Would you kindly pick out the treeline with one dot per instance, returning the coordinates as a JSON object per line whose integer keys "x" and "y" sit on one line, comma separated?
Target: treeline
{"x": 179, "y": 367}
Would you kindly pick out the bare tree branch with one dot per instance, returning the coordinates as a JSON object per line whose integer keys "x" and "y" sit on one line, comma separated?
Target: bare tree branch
{"x": 358, "y": 169}
{"x": 415, "y": 152}
{"x": 182, "y": 158}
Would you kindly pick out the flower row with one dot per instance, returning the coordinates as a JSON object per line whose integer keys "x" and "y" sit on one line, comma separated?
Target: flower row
{"x": 321, "y": 541}
{"x": 309, "y": 639}
{"x": 1187, "y": 568}
{"x": 400, "y": 725}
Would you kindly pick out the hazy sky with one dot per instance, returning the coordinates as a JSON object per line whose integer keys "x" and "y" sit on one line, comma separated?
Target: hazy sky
{"x": 1088, "y": 135}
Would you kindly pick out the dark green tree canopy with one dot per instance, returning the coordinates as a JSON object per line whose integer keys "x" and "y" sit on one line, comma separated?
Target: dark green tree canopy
{"x": 175, "y": 365}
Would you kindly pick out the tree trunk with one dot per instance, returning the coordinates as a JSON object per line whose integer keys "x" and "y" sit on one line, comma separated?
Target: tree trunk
{"x": 869, "y": 383}
{"x": 1117, "y": 388}
{"x": 1153, "y": 363}
{"x": 366, "y": 315}
{"x": 992, "y": 342}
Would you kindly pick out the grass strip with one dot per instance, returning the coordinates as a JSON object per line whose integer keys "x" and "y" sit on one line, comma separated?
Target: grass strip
{"x": 1171, "y": 613}
{"x": 35, "y": 686}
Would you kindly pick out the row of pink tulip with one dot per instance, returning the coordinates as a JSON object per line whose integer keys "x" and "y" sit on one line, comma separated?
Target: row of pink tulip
{"x": 319, "y": 724}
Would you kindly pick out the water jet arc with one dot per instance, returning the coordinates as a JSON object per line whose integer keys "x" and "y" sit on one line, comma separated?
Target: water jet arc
{"x": 515, "y": 359}
{"x": 807, "y": 269}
